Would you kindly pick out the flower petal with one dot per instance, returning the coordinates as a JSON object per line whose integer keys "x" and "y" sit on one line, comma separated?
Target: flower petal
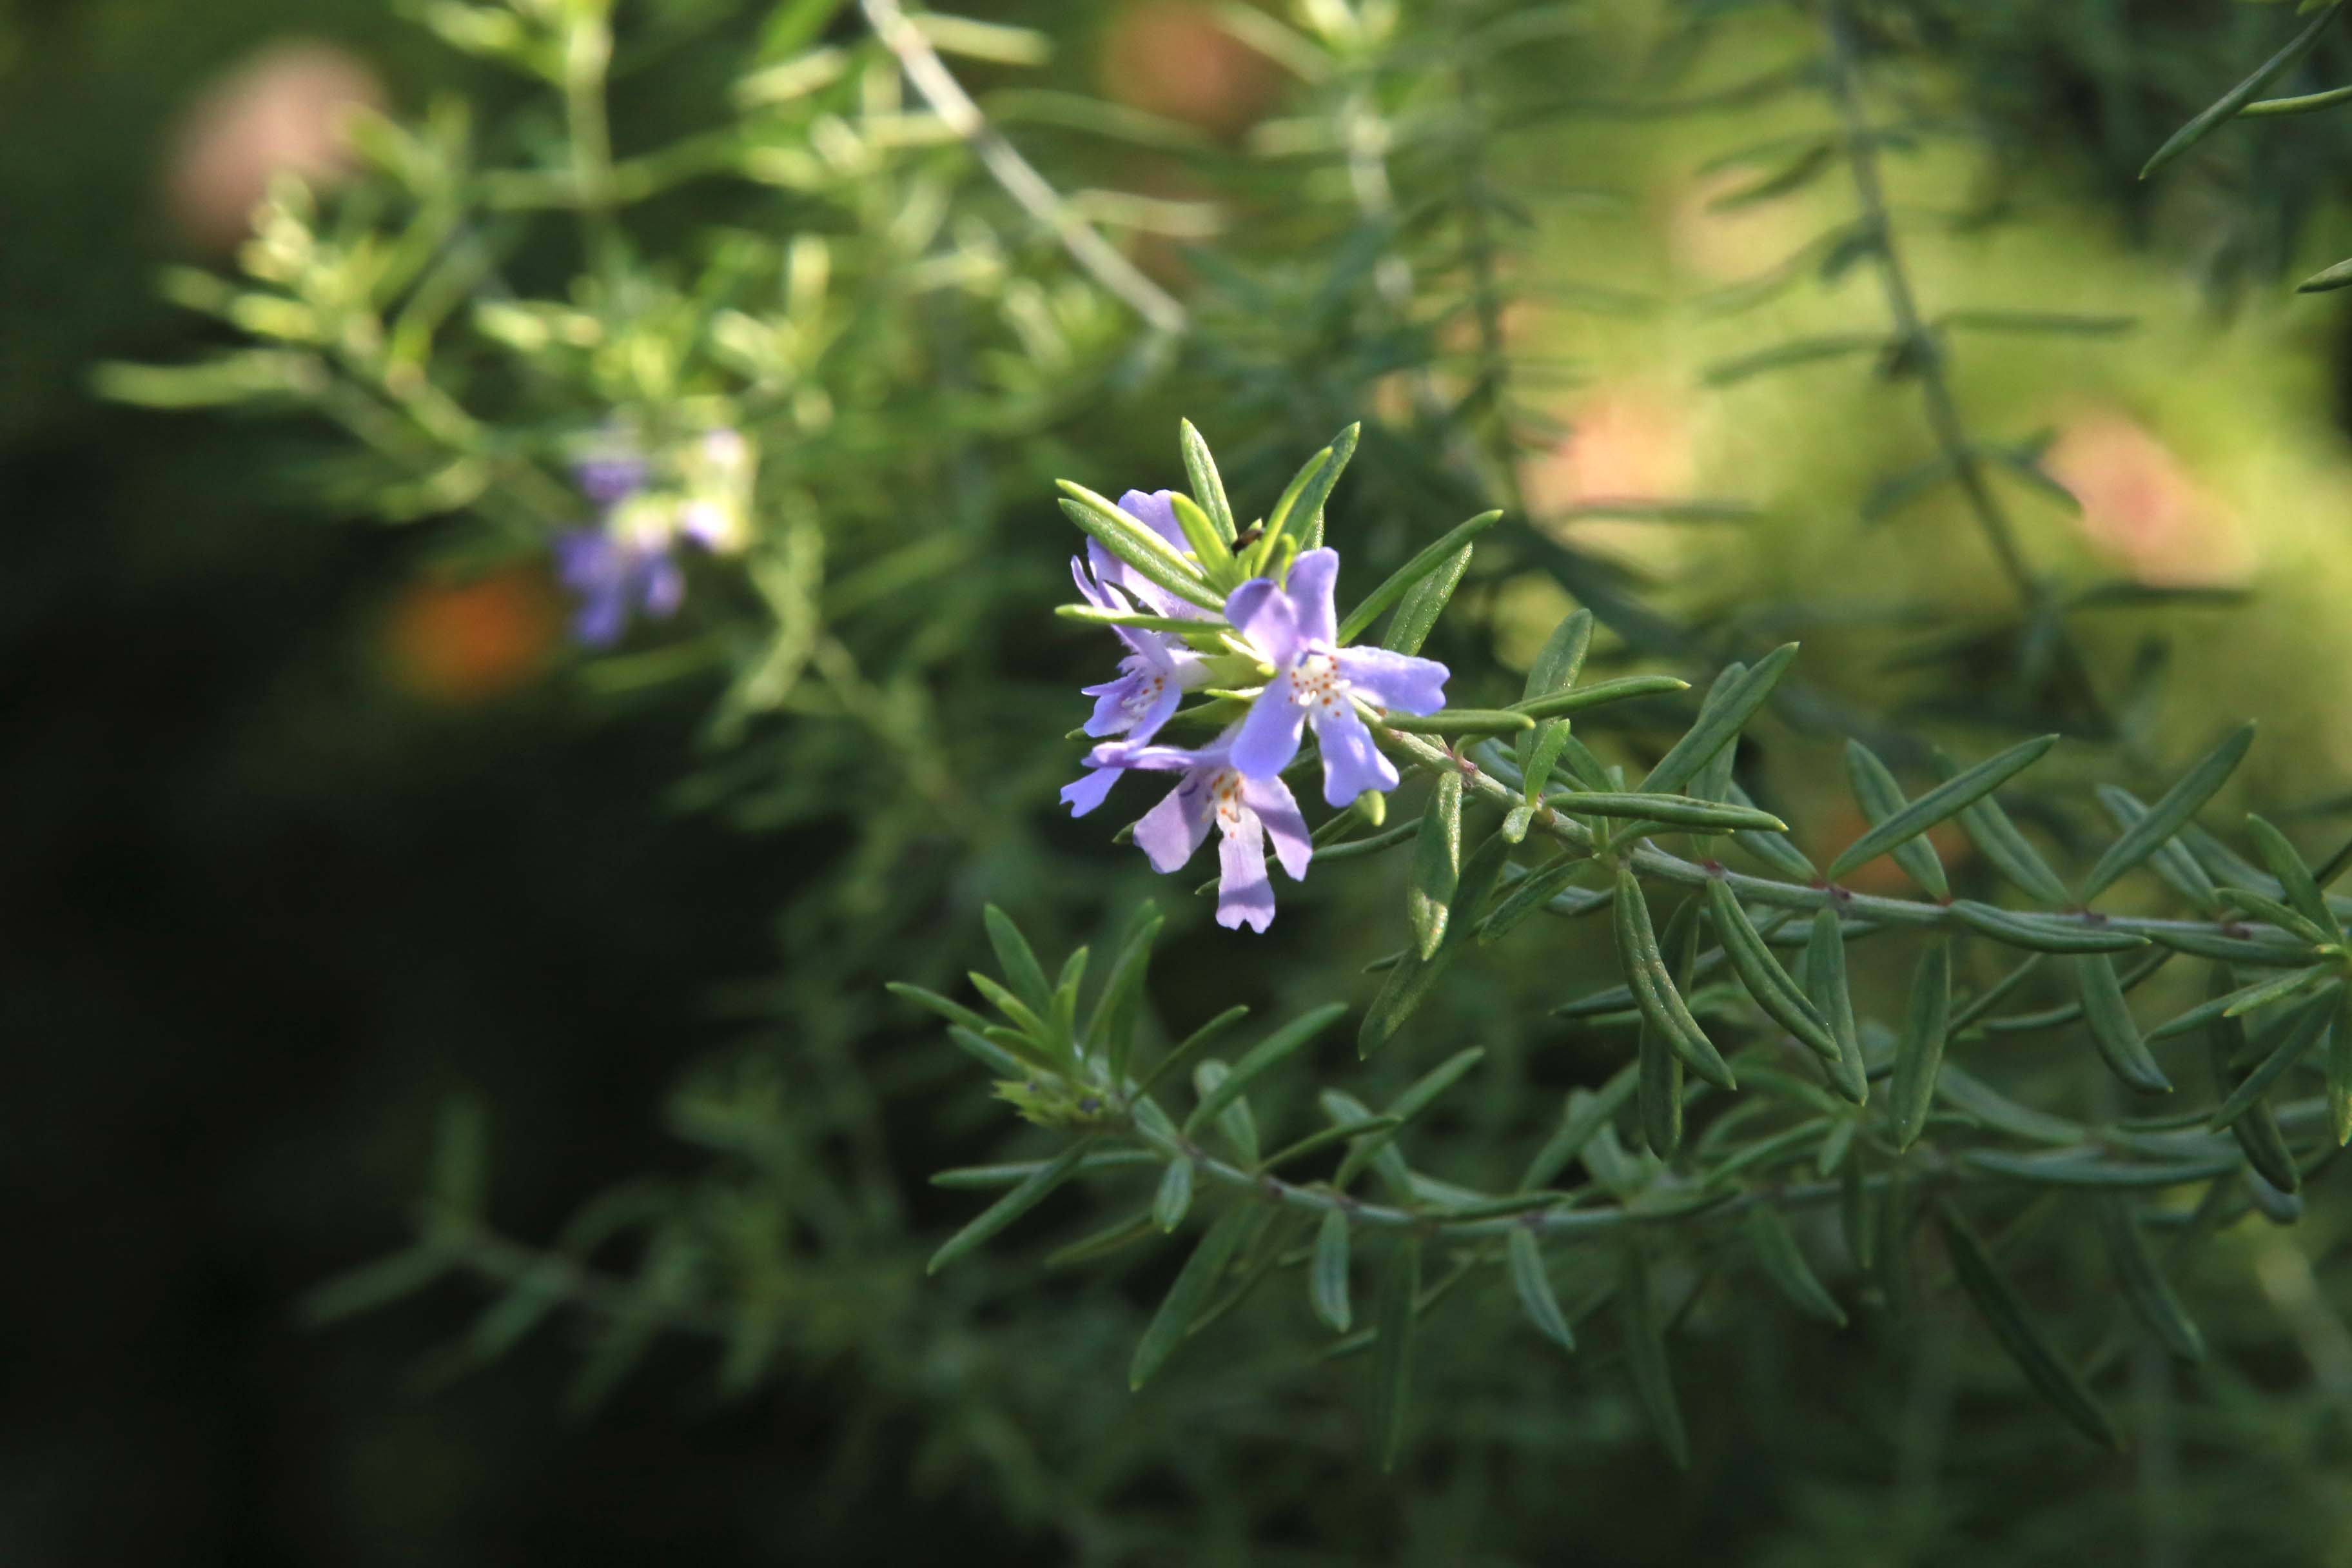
{"x": 1264, "y": 614}
{"x": 1312, "y": 577}
{"x": 1112, "y": 713}
{"x": 662, "y": 586}
{"x": 1171, "y": 831}
{"x": 1157, "y": 512}
{"x": 1268, "y": 737}
{"x": 1244, "y": 893}
{"x": 1083, "y": 794}
{"x": 1351, "y": 763}
{"x": 1395, "y": 681}
{"x": 1278, "y": 809}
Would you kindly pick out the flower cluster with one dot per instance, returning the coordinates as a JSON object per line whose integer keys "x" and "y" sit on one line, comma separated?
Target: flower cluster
{"x": 625, "y": 563}
{"x": 1281, "y": 634}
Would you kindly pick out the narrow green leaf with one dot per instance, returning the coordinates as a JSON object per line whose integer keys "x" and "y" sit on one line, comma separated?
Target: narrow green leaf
{"x": 2010, "y": 851}
{"x": 1791, "y": 355}
{"x": 2082, "y": 1171}
{"x": 2244, "y": 952}
{"x": 2144, "y": 1284}
{"x": 2166, "y": 817}
{"x": 1032, "y": 1191}
{"x": 2113, "y": 1029}
{"x": 988, "y": 1178}
{"x": 1661, "y": 1084}
{"x": 1825, "y": 984}
{"x": 1275, "y": 1048}
{"x": 1460, "y": 722}
{"x": 2301, "y": 890}
{"x": 1645, "y": 1354}
{"x": 1208, "y": 485}
{"x": 2327, "y": 279}
{"x": 1198, "y": 1041}
{"x": 1116, "y": 1236}
{"x": 1327, "y": 1276}
{"x": 1209, "y": 546}
{"x": 1882, "y": 800}
{"x": 1784, "y": 1264}
{"x": 2051, "y": 322}
{"x": 2234, "y": 100}
{"x": 2300, "y": 1031}
{"x": 2236, "y": 1003}
{"x": 1438, "y": 863}
{"x": 1920, "y": 1053}
{"x": 1719, "y": 724}
{"x": 374, "y": 1284}
{"x": 1673, "y": 810}
{"x": 1762, "y": 975}
{"x": 2179, "y": 868}
{"x": 1456, "y": 542}
{"x": 1947, "y": 799}
{"x": 1773, "y": 848}
{"x": 1532, "y": 892}
{"x": 1185, "y": 1297}
{"x": 1393, "y": 1350}
{"x": 1416, "y": 617}
{"x": 1110, "y": 1029}
{"x": 2255, "y": 1129}
{"x": 1585, "y": 1112}
{"x": 1533, "y": 1283}
{"x": 1137, "y": 545}
{"x": 2045, "y": 933}
{"x": 2049, "y": 1373}
{"x": 1027, "y": 1022}
{"x": 953, "y": 1012}
{"x": 1408, "y": 985}
{"x": 1022, "y": 971}
{"x": 2339, "y": 1081}
{"x": 1557, "y": 665}
{"x": 1323, "y": 1137}
{"x": 1175, "y": 1197}
{"x": 1018, "y": 1061}
{"x": 2286, "y": 918}
{"x": 1654, "y": 988}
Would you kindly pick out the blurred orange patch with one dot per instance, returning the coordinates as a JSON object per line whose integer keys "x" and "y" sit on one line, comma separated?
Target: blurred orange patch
{"x": 2142, "y": 507}
{"x": 1625, "y": 443}
{"x": 282, "y": 111}
{"x": 1174, "y": 58}
{"x": 469, "y": 642}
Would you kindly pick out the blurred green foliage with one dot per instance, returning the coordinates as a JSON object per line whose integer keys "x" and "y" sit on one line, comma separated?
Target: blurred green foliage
{"x": 612, "y": 940}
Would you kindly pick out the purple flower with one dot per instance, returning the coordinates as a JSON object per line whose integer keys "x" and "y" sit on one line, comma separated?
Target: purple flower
{"x": 1157, "y": 670}
{"x": 1245, "y": 811}
{"x": 1315, "y": 681}
{"x": 613, "y": 579}
{"x": 607, "y": 478}
{"x": 1155, "y": 512}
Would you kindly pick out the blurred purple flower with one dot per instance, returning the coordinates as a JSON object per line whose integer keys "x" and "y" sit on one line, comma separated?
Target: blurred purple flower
{"x": 613, "y": 579}
{"x": 1314, "y": 680}
{"x": 1246, "y": 811}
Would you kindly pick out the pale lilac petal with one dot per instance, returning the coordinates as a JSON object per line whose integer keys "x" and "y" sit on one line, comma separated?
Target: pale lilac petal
{"x": 1312, "y": 578}
{"x": 1264, "y": 614}
{"x": 1351, "y": 763}
{"x": 1095, "y": 593}
{"x": 1161, "y": 703}
{"x": 1112, "y": 713}
{"x": 1157, "y": 512}
{"x": 1126, "y": 754}
{"x": 1268, "y": 737}
{"x": 664, "y": 585}
{"x": 1171, "y": 831}
{"x": 604, "y": 613}
{"x": 1396, "y": 680}
{"x": 1083, "y": 794}
{"x": 1244, "y": 893}
{"x": 1275, "y": 806}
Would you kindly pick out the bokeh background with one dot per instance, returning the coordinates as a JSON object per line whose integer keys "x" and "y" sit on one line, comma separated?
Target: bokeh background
{"x": 312, "y": 836}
